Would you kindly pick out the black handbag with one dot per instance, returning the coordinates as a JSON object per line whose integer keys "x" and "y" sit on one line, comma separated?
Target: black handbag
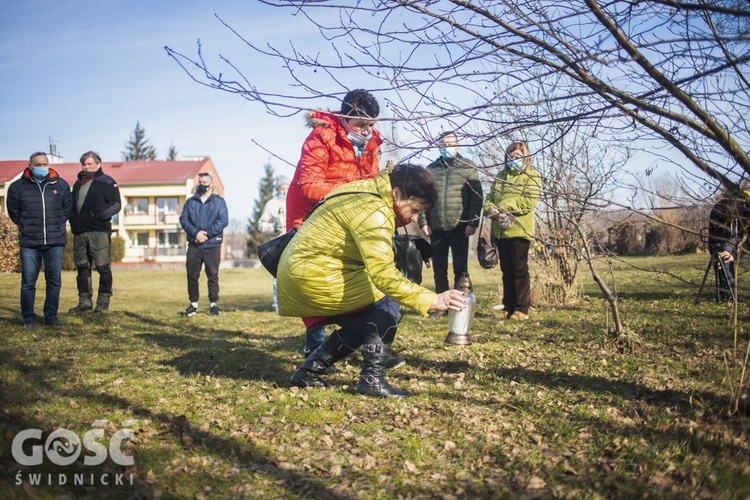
{"x": 409, "y": 253}
{"x": 487, "y": 252}
{"x": 270, "y": 252}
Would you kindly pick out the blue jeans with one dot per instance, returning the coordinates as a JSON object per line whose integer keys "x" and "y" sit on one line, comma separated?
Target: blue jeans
{"x": 31, "y": 264}
{"x": 314, "y": 337}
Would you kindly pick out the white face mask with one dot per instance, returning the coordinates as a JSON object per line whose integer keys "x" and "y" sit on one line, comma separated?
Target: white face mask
{"x": 355, "y": 138}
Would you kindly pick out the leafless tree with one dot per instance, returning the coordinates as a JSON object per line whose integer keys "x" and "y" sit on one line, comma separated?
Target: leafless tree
{"x": 667, "y": 75}
{"x": 668, "y": 71}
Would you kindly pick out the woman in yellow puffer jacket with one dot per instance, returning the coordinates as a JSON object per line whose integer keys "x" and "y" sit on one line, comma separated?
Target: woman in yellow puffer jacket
{"x": 511, "y": 205}
{"x": 339, "y": 269}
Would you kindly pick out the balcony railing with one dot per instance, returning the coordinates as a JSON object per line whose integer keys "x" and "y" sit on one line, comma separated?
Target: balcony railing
{"x": 172, "y": 219}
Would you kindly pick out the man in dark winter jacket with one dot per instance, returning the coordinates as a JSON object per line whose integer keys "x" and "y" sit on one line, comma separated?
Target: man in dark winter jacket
{"x": 455, "y": 216}
{"x": 96, "y": 199}
{"x": 204, "y": 218}
{"x": 727, "y": 224}
{"x": 39, "y": 203}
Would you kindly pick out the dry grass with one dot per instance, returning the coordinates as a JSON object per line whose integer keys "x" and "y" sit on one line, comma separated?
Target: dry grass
{"x": 542, "y": 408}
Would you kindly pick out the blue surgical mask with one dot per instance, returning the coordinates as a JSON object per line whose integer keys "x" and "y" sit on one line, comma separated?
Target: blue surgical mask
{"x": 281, "y": 196}
{"x": 41, "y": 172}
{"x": 444, "y": 154}
{"x": 514, "y": 163}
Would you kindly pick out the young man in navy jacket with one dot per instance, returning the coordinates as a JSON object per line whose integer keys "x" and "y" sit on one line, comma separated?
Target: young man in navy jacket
{"x": 204, "y": 217}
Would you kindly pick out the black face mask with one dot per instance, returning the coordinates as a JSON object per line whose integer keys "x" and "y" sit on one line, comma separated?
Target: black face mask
{"x": 86, "y": 175}
{"x": 201, "y": 189}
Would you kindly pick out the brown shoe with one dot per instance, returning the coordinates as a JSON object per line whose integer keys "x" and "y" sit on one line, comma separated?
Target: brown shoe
{"x": 519, "y": 316}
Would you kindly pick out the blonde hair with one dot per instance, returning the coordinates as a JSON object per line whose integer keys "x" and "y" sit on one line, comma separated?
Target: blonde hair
{"x": 527, "y": 163}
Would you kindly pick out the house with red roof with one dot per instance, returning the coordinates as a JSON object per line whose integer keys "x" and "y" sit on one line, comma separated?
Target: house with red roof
{"x": 153, "y": 193}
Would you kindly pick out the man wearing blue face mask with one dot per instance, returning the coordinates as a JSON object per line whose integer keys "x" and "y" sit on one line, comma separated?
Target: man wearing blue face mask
{"x": 455, "y": 216}
{"x": 204, "y": 218}
{"x": 273, "y": 219}
{"x": 39, "y": 203}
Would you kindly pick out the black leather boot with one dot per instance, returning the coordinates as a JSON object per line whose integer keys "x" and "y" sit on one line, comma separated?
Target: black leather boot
{"x": 309, "y": 372}
{"x": 372, "y": 380}
{"x": 331, "y": 370}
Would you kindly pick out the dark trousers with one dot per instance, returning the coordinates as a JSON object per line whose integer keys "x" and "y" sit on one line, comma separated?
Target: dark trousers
{"x": 196, "y": 258}
{"x": 514, "y": 263}
{"x": 92, "y": 247}
{"x": 723, "y": 285}
{"x": 31, "y": 264}
{"x": 382, "y": 316}
{"x": 458, "y": 244}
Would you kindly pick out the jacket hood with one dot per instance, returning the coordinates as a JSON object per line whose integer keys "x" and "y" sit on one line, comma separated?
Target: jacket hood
{"x": 321, "y": 119}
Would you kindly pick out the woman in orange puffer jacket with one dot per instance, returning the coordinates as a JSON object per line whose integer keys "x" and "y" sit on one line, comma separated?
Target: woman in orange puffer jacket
{"x": 341, "y": 148}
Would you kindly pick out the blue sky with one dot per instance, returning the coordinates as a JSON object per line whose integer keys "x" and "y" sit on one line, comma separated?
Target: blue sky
{"x": 82, "y": 72}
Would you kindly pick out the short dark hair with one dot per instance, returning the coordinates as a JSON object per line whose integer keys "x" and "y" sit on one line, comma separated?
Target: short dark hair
{"x": 90, "y": 154}
{"x": 446, "y": 134}
{"x": 37, "y": 153}
{"x": 415, "y": 181}
{"x": 360, "y": 103}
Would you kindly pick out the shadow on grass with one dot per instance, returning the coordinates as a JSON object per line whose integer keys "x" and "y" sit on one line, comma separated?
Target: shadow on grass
{"x": 13, "y": 421}
{"x": 231, "y": 353}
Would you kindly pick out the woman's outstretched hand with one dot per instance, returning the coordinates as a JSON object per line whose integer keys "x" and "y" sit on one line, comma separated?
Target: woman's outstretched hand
{"x": 450, "y": 300}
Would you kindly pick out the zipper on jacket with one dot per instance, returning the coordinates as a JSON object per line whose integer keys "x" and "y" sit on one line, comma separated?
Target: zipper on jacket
{"x": 44, "y": 209}
{"x": 44, "y": 212}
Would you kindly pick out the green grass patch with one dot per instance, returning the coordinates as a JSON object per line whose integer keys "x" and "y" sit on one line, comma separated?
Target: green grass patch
{"x": 547, "y": 407}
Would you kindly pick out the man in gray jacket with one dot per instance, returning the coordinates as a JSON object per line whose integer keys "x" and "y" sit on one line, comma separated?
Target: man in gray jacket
{"x": 455, "y": 216}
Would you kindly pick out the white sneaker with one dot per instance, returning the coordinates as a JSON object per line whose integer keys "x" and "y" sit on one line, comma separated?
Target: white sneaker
{"x": 498, "y": 307}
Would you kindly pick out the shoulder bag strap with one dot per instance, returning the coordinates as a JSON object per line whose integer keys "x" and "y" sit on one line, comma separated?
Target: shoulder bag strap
{"x": 322, "y": 200}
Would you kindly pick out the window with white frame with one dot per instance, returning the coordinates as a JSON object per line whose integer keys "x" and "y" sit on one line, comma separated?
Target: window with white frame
{"x": 139, "y": 239}
{"x": 168, "y": 239}
{"x": 166, "y": 205}
{"x": 137, "y": 206}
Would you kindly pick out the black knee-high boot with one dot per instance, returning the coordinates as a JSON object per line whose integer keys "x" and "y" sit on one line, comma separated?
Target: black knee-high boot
{"x": 375, "y": 353}
{"x": 309, "y": 372}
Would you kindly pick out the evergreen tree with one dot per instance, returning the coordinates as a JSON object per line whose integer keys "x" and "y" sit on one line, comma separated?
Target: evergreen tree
{"x": 266, "y": 190}
{"x": 172, "y": 153}
{"x": 138, "y": 147}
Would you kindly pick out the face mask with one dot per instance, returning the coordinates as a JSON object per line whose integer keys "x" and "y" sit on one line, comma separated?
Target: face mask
{"x": 201, "y": 189}
{"x": 41, "y": 172}
{"x": 356, "y": 139}
{"x": 448, "y": 152}
{"x": 514, "y": 163}
{"x": 281, "y": 196}
{"x": 401, "y": 221}
{"x": 86, "y": 175}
